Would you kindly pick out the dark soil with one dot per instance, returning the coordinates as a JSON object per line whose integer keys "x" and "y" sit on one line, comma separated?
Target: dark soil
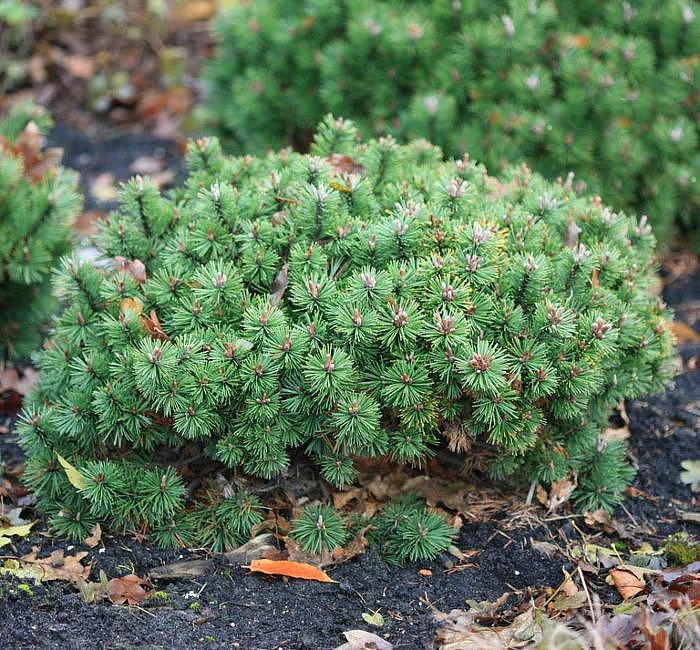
{"x": 228, "y": 607}
{"x": 113, "y": 152}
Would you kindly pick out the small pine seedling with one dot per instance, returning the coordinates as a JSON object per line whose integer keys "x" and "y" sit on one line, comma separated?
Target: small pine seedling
{"x": 319, "y": 529}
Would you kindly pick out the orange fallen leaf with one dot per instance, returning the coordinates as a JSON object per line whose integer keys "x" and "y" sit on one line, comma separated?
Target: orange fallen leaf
{"x": 627, "y": 584}
{"x": 128, "y": 589}
{"x": 425, "y": 572}
{"x": 683, "y": 333}
{"x": 289, "y": 569}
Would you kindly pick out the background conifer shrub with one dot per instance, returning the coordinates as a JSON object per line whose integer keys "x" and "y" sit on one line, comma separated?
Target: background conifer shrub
{"x": 608, "y": 90}
{"x": 38, "y": 202}
{"x": 364, "y": 300}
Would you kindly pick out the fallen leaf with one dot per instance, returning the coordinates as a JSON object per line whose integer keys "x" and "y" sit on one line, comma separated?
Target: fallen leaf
{"x": 545, "y": 548}
{"x": 146, "y": 165}
{"x": 683, "y": 332}
{"x": 86, "y": 223}
{"x": 352, "y": 549}
{"x": 459, "y": 631}
{"x": 57, "y": 566}
{"x": 362, "y": 640}
{"x": 184, "y": 569}
{"x": 344, "y": 164}
{"x": 192, "y": 11}
{"x": 79, "y": 66}
{"x": 19, "y": 381}
{"x": 162, "y": 178}
{"x": 375, "y": 619}
{"x": 687, "y": 515}
{"x": 295, "y": 553}
{"x": 691, "y": 474}
{"x": 128, "y": 589}
{"x": 628, "y": 585}
{"x": 135, "y": 268}
{"x": 131, "y": 305}
{"x": 10, "y": 403}
{"x": 568, "y": 587}
{"x": 566, "y": 603}
{"x": 279, "y": 286}
{"x": 94, "y": 539}
{"x": 425, "y": 572}
{"x": 12, "y": 525}
{"x": 253, "y": 549}
{"x": 558, "y": 494}
{"x": 290, "y": 569}
{"x": 103, "y": 189}
{"x": 153, "y": 327}
{"x": 77, "y": 480}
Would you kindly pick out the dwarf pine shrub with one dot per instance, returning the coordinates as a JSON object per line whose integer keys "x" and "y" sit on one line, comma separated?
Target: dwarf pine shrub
{"x": 38, "y": 201}
{"x": 368, "y": 299}
{"x": 606, "y": 90}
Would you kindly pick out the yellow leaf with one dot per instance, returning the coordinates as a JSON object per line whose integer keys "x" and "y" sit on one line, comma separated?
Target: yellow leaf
{"x": 133, "y": 305}
{"x": 20, "y": 531}
{"x": 373, "y": 619}
{"x": 74, "y": 476}
{"x": 340, "y": 187}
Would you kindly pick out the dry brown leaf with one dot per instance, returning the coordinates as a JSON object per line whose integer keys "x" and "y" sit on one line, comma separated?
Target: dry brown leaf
{"x": 279, "y": 286}
{"x": 341, "y": 499}
{"x": 103, "y": 188}
{"x": 86, "y": 223}
{"x": 153, "y": 327}
{"x": 22, "y": 383}
{"x": 558, "y": 494}
{"x": 95, "y": 537}
{"x": 135, "y": 268}
{"x": 683, "y": 332}
{"x": 356, "y": 547}
{"x": 146, "y": 165}
{"x": 80, "y": 66}
{"x": 192, "y": 11}
{"x": 458, "y": 631}
{"x": 179, "y": 570}
{"x": 567, "y": 603}
{"x": 290, "y": 569}
{"x": 256, "y": 547}
{"x": 545, "y": 548}
{"x": 59, "y": 566}
{"x": 628, "y": 585}
{"x": 128, "y": 589}
{"x": 452, "y": 494}
{"x": 568, "y": 587}
{"x": 344, "y": 164}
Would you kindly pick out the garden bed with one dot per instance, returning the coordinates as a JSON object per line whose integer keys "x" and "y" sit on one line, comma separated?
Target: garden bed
{"x": 508, "y": 547}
